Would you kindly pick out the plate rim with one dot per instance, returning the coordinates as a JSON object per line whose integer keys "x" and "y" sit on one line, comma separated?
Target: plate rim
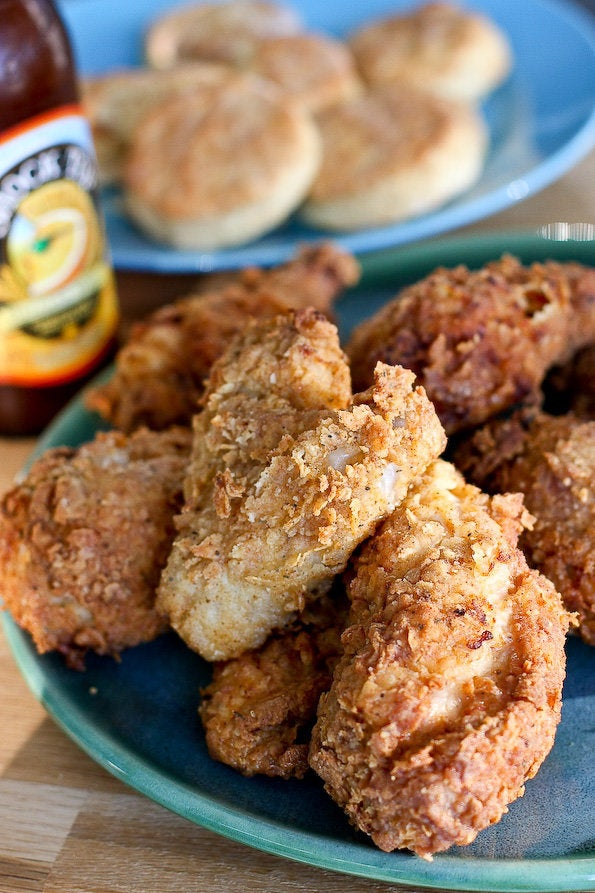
{"x": 552, "y": 874}
{"x": 159, "y": 258}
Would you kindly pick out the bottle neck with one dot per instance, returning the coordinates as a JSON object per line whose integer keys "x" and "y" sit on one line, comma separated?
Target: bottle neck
{"x": 36, "y": 64}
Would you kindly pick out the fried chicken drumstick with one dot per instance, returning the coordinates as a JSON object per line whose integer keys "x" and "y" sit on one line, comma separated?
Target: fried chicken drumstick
{"x": 480, "y": 341}
{"x": 286, "y": 478}
{"x": 551, "y": 460}
{"x": 448, "y": 693}
{"x": 84, "y": 537}
{"x": 160, "y": 372}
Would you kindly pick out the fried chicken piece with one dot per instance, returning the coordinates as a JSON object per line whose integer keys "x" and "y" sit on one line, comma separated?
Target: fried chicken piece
{"x": 84, "y": 537}
{"x": 286, "y": 479}
{"x": 480, "y": 341}
{"x": 160, "y": 371}
{"x": 259, "y": 708}
{"x": 551, "y": 460}
{"x": 448, "y": 693}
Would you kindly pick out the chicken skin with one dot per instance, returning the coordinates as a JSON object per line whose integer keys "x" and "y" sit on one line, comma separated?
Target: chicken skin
{"x": 551, "y": 460}
{"x": 287, "y": 477}
{"x": 259, "y": 708}
{"x": 480, "y": 341}
{"x": 160, "y": 371}
{"x": 84, "y": 537}
{"x": 448, "y": 693}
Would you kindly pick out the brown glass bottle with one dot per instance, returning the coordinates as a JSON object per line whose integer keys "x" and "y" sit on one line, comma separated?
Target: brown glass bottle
{"x": 58, "y": 307}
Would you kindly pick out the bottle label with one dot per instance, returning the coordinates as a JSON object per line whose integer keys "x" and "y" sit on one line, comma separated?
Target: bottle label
{"x": 58, "y": 304}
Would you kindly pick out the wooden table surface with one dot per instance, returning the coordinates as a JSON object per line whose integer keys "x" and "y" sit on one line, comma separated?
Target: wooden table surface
{"x": 66, "y": 825}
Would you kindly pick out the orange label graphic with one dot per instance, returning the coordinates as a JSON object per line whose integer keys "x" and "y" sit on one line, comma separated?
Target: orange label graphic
{"x": 58, "y": 307}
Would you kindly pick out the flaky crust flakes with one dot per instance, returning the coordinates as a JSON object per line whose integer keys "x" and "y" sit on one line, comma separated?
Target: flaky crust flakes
{"x": 448, "y": 694}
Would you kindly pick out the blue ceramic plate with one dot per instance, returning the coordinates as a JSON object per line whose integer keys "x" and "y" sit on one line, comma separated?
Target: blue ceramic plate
{"x": 138, "y": 718}
{"x": 542, "y": 121}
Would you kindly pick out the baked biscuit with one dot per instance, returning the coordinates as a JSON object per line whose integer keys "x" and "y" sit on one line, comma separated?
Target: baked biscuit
{"x": 116, "y": 102}
{"x": 391, "y": 154}
{"x": 219, "y": 32}
{"x": 450, "y": 52}
{"x": 221, "y": 165}
{"x": 311, "y": 68}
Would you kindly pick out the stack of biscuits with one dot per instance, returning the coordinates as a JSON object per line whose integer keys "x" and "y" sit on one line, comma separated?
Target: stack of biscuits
{"x": 242, "y": 117}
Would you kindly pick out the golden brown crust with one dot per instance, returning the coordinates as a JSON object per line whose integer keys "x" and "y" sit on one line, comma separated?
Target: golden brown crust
{"x": 448, "y": 693}
{"x": 392, "y": 153}
{"x": 310, "y": 68}
{"x": 171, "y": 145}
{"x": 223, "y": 32}
{"x": 551, "y": 460}
{"x": 260, "y": 149}
{"x": 160, "y": 371}
{"x": 286, "y": 479}
{"x": 116, "y": 102}
{"x": 84, "y": 537}
{"x": 479, "y": 341}
{"x": 437, "y": 47}
{"x": 271, "y": 383}
{"x": 259, "y": 708}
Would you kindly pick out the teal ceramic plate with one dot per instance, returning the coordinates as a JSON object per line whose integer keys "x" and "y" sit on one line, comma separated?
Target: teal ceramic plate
{"x": 138, "y": 718}
{"x": 541, "y": 121}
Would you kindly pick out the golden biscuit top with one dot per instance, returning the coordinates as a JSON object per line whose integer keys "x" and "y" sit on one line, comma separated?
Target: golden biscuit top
{"x": 223, "y": 32}
{"x": 438, "y": 47}
{"x": 211, "y": 148}
{"x": 316, "y": 70}
{"x": 381, "y": 132}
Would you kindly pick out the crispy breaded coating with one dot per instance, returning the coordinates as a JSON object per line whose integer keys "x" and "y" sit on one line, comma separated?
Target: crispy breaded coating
{"x": 259, "y": 708}
{"x": 551, "y": 460}
{"x": 480, "y": 341}
{"x": 286, "y": 479}
{"x": 84, "y": 537}
{"x": 160, "y": 371}
{"x": 448, "y": 694}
